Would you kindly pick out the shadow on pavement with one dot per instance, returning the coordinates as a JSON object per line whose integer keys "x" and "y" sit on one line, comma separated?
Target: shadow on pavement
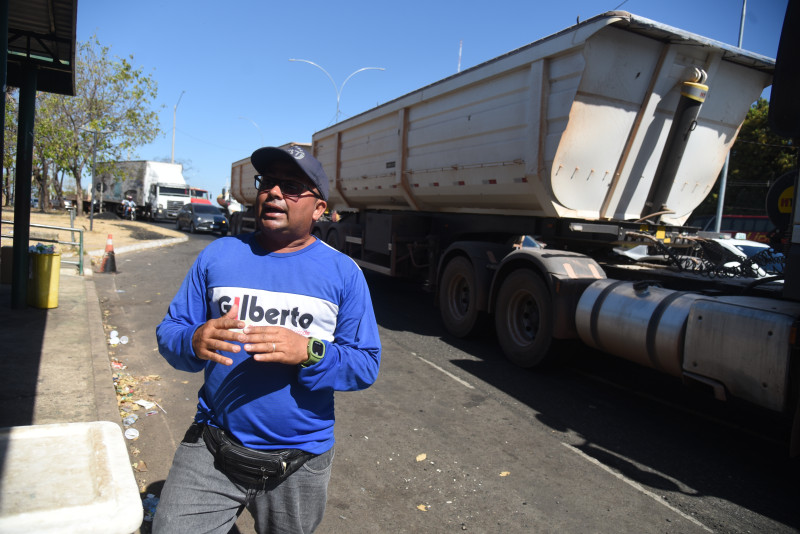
{"x": 637, "y": 422}
{"x": 21, "y": 339}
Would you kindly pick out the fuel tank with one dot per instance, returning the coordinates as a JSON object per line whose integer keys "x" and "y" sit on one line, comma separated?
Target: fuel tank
{"x": 636, "y": 321}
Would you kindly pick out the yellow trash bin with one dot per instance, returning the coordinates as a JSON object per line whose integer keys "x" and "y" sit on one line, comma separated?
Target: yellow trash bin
{"x": 43, "y": 283}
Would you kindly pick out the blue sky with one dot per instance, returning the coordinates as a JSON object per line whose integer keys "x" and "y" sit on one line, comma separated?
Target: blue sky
{"x": 242, "y": 92}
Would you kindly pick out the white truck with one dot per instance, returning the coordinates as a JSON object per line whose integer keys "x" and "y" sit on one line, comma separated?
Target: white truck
{"x": 605, "y": 135}
{"x": 158, "y": 189}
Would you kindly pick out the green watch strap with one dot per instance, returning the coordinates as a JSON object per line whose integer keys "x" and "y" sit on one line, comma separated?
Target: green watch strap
{"x": 315, "y": 350}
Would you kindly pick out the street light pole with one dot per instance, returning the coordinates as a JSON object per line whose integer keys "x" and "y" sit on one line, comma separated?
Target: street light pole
{"x": 335, "y": 87}
{"x": 723, "y": 182}
{"x": 95, "y": 184}
{"x": 174, "y": 113}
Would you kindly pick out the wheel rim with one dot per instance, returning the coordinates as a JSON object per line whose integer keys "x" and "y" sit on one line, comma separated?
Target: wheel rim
{"x": 523, "y": 318}
{"x": 459, "y": 292}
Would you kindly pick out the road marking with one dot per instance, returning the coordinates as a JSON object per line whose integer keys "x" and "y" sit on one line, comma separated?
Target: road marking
{"x": 451, "y": 375}
{"x": 636, "y": 485}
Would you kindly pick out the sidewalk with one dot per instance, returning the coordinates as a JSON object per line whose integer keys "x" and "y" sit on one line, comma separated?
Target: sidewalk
{"x": 55, "y": 366}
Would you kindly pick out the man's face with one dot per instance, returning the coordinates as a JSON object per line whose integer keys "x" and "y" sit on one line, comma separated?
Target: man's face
{"x": 288, "y": 217}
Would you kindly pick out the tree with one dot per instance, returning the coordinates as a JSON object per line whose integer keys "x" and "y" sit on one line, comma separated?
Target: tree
{"x": 757, "y": 159}
{"x": 9, "y": 146}
{"x": 113, "y": 103}
{"x": 112, "y": 107}
{"x": 48, "y": 131}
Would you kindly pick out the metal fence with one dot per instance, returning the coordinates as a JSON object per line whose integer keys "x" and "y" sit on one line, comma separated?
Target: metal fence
{"x": 79, "y": 242}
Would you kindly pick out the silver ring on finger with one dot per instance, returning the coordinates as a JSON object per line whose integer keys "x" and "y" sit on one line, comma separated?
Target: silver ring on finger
{"x": 273, "y": 346}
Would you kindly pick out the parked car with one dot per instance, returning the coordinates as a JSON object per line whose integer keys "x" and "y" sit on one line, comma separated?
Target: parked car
{"x": 202, "y": 217}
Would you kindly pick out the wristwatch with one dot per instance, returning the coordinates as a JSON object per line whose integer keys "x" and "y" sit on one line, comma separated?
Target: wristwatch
{"x": 316, "y": 351}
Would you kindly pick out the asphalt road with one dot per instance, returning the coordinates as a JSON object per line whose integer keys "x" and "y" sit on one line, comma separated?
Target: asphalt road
{"x": 452, "y": 437}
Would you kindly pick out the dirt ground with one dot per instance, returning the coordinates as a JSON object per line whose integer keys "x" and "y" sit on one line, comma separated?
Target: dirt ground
{"x": 123, "y": 232}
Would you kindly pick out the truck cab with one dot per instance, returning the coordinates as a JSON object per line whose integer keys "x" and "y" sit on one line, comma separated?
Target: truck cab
{"x": 164, "y": 200}
{"x": 199, "y": 196}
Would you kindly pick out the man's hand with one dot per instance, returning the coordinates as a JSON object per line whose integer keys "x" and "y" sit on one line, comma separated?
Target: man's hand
{"x": 215, "y": 335}
{"x": 275, "y": 344}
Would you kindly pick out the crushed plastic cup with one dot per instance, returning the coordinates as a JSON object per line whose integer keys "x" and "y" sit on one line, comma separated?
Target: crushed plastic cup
{"x": 113, "y": 333}
{"x": 124, "y": 340}
{"x": 131, "y": 433}
{"x": 130, "y": 419}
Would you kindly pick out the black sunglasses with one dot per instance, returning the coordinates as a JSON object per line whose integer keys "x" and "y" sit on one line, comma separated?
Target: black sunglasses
{"x": 291, "y": 188}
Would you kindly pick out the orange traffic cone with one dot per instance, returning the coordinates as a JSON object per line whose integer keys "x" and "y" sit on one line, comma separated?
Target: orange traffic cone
{"x": 109, "y": 263}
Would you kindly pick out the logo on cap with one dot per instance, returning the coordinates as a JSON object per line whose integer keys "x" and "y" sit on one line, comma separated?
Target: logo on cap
{"x": 296, "y": 152}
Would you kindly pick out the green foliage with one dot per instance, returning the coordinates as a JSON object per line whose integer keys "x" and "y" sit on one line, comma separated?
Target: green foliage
{"x": 9, "y": 145}
{"x": 757, "y": 159}
{"x": 111, "y": 112}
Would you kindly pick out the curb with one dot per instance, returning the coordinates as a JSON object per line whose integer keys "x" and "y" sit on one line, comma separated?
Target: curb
{"x": 140, "y": 246}
{"x": 106, "y": 406}
{"x": 104, "y": 392}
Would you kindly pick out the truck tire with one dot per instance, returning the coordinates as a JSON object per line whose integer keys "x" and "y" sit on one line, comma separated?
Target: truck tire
{"x": 458, "y": 293}
{"x": 524, "y": 319}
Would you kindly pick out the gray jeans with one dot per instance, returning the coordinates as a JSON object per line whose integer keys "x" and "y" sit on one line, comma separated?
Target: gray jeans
{"x": 198, "y": 498}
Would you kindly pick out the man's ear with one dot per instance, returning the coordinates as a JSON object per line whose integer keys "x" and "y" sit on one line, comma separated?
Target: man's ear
{"x": 319, "y": 209}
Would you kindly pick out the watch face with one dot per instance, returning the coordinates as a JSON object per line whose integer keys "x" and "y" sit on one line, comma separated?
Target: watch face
{"x": 317, "y": 348}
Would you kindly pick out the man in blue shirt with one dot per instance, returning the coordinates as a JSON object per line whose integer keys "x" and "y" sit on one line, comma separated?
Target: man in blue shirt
{"x": 277, "y": 320}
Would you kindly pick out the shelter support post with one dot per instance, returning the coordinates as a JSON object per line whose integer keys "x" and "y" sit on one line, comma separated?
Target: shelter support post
{"x": 22, "y": 189}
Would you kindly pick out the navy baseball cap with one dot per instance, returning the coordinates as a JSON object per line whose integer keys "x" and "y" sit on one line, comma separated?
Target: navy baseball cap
{"x": 311, "y": 167}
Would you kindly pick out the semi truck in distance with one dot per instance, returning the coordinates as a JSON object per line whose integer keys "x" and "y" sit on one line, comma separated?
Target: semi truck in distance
{"x": 158, "y": 189}
{"x": 516, "y": 190}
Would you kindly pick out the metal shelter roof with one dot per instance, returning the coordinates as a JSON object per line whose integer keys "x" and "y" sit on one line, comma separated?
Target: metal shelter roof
{"x": 41, "y": 34}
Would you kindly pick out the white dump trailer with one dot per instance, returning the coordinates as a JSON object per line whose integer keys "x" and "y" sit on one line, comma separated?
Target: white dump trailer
{"x": 572, "y": 126}
{"x": 595, "y": 140}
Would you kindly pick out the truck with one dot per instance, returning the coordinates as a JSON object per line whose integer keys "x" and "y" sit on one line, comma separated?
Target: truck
{"x": 158, "y": 189}
{"x": 199, "y": 196}
{"x": 515, "y": 190}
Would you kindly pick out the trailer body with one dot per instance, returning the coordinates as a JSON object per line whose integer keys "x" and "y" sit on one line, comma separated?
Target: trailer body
{"x": 571, "y": 126}
{"x": 158, "y": 189}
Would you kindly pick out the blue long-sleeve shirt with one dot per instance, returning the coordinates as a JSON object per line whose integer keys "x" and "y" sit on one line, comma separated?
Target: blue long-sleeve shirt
{"x": 316, "y": 292}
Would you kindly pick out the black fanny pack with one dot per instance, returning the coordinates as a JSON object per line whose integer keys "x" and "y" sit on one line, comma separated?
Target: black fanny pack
{"x": 249, "y": 466}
